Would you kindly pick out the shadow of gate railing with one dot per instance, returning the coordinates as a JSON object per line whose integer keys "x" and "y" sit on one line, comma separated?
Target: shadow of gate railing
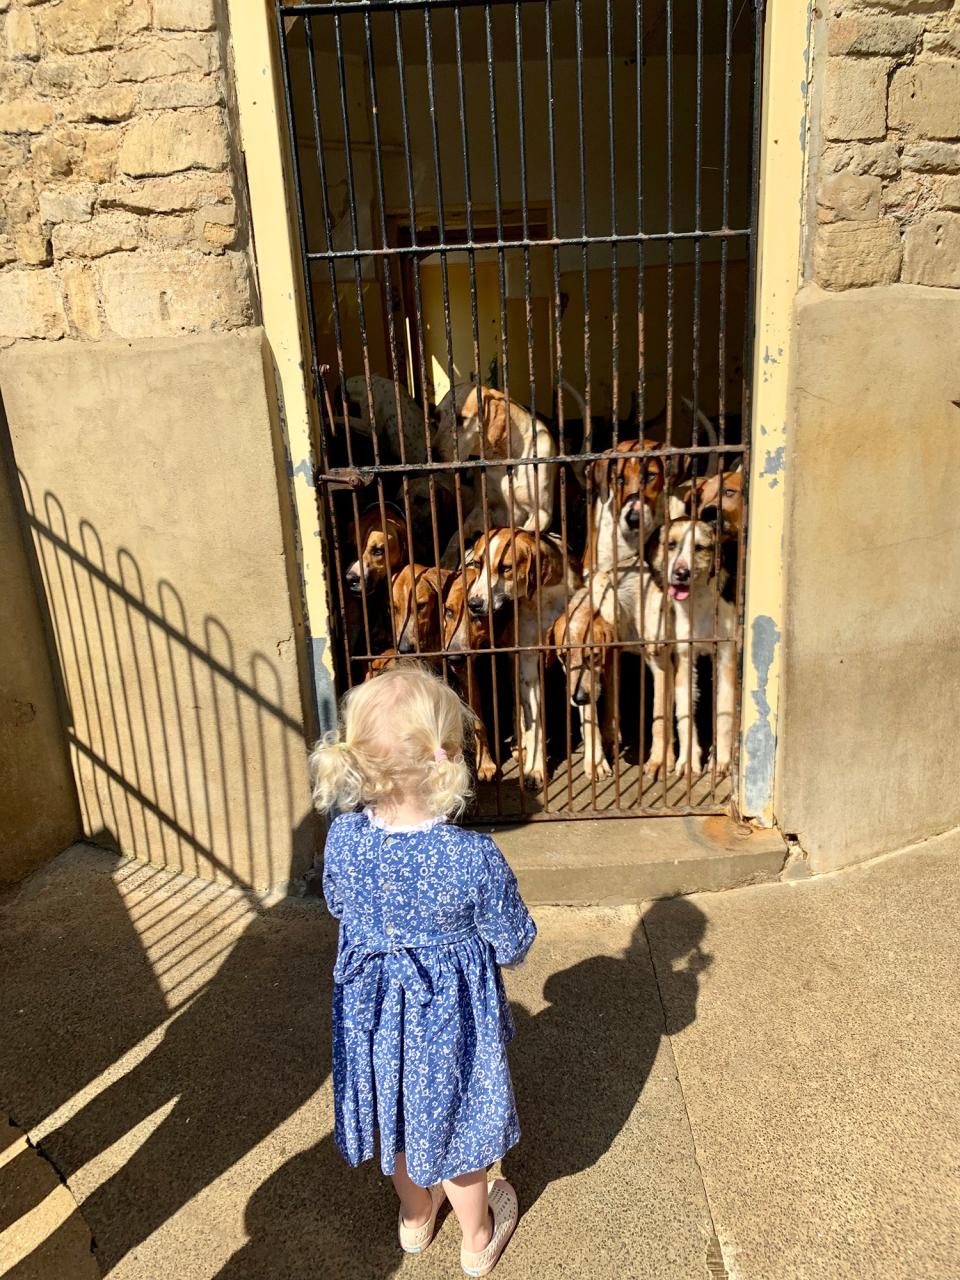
{"x": 187, "y": 753}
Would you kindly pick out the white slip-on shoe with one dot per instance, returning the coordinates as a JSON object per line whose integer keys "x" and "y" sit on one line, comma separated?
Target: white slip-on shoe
{"x": 503, "y": 1206}
{"x": 416, "y": 1239}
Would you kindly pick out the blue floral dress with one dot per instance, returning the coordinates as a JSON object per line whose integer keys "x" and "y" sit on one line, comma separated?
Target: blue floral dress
{"x": 420, "y": 1017}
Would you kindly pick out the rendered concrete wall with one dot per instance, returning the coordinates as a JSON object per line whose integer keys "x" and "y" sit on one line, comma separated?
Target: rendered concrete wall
{"x": 870, "y": 697}
{"x": 39, "y": 816}
{"x": 149, "y": 478}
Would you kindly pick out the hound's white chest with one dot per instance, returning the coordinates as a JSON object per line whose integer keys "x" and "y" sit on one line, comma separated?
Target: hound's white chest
{"x": 703, "y": 618}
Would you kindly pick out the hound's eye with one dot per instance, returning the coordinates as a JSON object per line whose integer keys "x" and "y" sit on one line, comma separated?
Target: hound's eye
{"x": 672, "y": 544}
{"x": 469, "y": 564}
{"x": 448, "y": 613}
{"x": 377, "y": 551}
{"x": 506, "y": 570}
{"x": 729, "y": 493}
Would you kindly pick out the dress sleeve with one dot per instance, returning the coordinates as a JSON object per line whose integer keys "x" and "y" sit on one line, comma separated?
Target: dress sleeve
{"x": 331, "y": 891}
{"x": 501, "y": 914}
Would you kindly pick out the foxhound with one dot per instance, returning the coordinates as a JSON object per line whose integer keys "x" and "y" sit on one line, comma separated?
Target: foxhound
{"x": 526, "y": 568}
{"x": 522, "y": 496}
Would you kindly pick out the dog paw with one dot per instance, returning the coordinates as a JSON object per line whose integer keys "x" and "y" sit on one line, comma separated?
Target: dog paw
{"x": 534, "y": 780}
{"x": 653, "y": 766}
{"x": 600, "y": 768}
{"x": 694, "y": 771}
{"x": 487, "y": 770}
{"x": 722, "y": 766}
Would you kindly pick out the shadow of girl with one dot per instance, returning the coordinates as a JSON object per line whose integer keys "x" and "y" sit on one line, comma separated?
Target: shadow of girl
{"x": 578, "y": 1068}
{"x": 580, "y": 1065}
{"x": 315, "y": 1217}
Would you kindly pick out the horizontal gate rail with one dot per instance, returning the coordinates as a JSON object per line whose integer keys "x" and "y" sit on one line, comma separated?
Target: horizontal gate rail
{"x": 427, "y": 248}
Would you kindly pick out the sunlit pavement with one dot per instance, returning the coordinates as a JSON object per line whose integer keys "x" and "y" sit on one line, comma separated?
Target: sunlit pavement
{"x": 759, "y": 1083}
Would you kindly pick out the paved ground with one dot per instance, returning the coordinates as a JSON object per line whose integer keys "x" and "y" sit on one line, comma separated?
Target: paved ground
{"x": 760, "y": 1083}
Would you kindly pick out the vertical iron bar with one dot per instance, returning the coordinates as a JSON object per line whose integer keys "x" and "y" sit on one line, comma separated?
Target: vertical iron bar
{"x": 641, "y": 396}
{"x": 695, "y": 382}
{"x": 388, "y": 289}
{"x": 585, "y": 276}
{"x": 614, "y": 692}
{"x": 417, "y": 279}
{"x": 674, "y": 655}
{"x": 337, "y": 326}
{"x": 361, "y": 307}
{"x": 504, "y": 342}
{"x": 475, "y": 322}
{"x": 722, "y": 348}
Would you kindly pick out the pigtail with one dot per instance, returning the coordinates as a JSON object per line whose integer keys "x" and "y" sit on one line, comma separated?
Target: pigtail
{"x": 449, "y": 783}
{"x": 337, "y": 780}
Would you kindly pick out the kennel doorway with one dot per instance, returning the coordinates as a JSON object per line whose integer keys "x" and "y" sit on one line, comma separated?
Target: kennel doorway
{"x": 556, "y": 202}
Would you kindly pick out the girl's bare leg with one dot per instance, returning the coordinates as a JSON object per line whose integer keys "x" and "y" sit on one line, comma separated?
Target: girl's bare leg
{"x": 468, "y": 1197}
{"x": 415, "y": 1202}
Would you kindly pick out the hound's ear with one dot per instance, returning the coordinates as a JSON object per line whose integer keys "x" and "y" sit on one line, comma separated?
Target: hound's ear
{"x": 550, "y": 639}
{"x": 469, "y": 409}
{"x": 551, "y": 565}
{"x": 524, "y": 570}
{"x": 600, "y": 470}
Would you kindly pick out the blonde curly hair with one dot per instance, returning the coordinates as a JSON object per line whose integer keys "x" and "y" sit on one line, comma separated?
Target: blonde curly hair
{"x": 400, "y": 734}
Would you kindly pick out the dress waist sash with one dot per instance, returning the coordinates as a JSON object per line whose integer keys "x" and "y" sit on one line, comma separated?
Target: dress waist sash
{"x": 363, "y": 965}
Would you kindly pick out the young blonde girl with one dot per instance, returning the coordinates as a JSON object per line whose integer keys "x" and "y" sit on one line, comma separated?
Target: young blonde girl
{"x": 428, "y": 913}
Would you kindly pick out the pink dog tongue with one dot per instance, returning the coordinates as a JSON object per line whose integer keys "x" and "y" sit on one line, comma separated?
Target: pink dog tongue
{"x": 679, "y": 593}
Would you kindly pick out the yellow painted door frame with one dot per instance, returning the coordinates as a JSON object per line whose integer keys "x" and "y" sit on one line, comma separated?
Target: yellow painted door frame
{"x": 784, "y": 131}
{"x": 782, "y": 184}
{"x": 259, "y": 96}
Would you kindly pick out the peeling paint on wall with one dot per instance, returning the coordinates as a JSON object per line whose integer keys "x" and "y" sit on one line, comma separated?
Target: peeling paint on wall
{"x": 760, "y": 741}
{"x": 325, "y": 698}
{"x": 773, "y": 465}
{"x": 304, "y": 470}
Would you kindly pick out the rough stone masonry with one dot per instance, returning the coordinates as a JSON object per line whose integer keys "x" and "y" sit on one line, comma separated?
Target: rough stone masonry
{"x": 122, "y": 215}
{"x": 888, "y": 181}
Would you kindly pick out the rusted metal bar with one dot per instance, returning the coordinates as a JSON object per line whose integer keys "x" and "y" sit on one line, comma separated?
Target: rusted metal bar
{"x": 551, "y": 242}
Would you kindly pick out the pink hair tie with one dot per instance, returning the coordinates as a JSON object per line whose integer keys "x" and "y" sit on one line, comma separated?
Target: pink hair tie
{"x": 440, "y": 755}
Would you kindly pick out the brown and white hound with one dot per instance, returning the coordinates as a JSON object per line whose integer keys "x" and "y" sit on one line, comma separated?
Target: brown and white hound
{"x": 520, "y": 566}
{"x": 684, "y": 563}
{"x": 418, "y": 592}
{"x": 627, "y": 609}
{"x": 520, "y": 496}
{"x": 627, "y": 505}
{"x": 381, "y": 548}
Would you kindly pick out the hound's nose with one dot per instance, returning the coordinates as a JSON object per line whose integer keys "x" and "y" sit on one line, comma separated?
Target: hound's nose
{"x": 708, "y": 515}
{"x": 633, "y": 515}
{"x": 681, "y": 572}
{"x": 477, "y": 605}
{"x": 580, "y": 697}
{"x": 406, "y": 646}
{"x": 353, "y": 582}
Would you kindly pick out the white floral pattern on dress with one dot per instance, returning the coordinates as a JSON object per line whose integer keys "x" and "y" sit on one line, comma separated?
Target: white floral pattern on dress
{"x": 420, "y": 1017}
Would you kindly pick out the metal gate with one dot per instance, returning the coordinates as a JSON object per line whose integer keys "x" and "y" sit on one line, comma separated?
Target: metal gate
{"x": 528, "y": 231}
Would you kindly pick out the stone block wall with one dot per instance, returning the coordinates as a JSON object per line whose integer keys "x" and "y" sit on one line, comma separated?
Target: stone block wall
{"x": 888, "y": 173}
{"x": 121, "y": 213}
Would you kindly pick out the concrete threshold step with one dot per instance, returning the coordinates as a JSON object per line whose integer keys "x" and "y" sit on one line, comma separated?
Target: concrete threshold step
{"x": 616, "y": 860}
